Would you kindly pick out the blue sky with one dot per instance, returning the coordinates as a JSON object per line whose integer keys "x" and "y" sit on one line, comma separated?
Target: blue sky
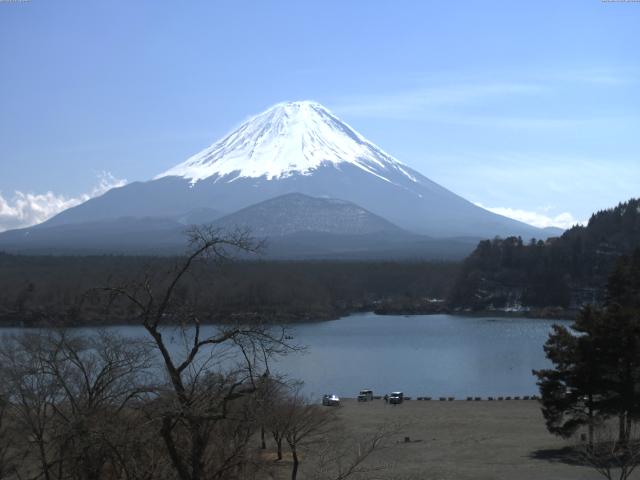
{"x": 528, "y": 108}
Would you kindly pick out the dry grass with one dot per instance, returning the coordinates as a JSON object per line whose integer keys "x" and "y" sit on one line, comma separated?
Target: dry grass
{"x": 461, "y": 440}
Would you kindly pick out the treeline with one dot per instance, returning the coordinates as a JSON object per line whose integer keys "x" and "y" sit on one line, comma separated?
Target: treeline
{"x": 50, "y": 290}
{"x": 568, "y": 271}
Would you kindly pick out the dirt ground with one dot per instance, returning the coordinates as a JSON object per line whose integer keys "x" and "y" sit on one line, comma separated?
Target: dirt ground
{"x": 461, "y": 440}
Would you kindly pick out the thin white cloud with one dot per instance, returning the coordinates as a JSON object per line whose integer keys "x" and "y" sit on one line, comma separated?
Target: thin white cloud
{"x": 26, "y": 209}
{"x": 513, "y": 122}
{"x": 606, "y": 77}
{"x": 440, "y": 100}
{"x": 529, "y": 179}
{"x": 540, "y": 219}
{"x": 414, "y": 102}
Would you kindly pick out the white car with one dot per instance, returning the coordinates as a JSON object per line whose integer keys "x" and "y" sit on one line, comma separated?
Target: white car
{"x": 330, "y": 400}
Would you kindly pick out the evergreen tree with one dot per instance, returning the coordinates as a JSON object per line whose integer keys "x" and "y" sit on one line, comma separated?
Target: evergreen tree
{"x": 620, "y": 344}
{"x": 570, "y": 391}
{"x": 562, "y": 272}
{"x": 596, "y": 363}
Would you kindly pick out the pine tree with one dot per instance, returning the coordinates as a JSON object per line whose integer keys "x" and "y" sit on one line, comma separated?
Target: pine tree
{"x": 570, "y": 391}
{"x": 596, "y": 363}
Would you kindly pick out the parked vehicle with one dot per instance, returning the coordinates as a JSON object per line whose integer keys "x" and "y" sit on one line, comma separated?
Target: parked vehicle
{"x": 365, "y": 396}
{"x": 396, "y": 397}
{"x": 330, "y": 400}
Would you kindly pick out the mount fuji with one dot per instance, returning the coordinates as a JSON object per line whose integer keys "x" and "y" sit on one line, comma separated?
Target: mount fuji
{"x": 294, "y": 147}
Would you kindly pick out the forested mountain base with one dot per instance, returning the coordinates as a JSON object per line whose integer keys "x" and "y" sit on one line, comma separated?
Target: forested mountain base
{"x": 501, "y": 274}
{"x": 49, "y": 290}
{"x": 566, "y": 272}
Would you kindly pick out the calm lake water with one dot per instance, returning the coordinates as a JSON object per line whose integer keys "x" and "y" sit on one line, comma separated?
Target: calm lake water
{"x": 421, "y": 355}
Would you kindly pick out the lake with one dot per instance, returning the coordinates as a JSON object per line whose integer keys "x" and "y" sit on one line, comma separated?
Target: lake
{"x": 421, "y": 355}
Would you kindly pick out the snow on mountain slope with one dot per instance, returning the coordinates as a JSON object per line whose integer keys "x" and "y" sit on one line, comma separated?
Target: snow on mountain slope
{"x": 297, "y": 147}
{"x": 287, "y": 139}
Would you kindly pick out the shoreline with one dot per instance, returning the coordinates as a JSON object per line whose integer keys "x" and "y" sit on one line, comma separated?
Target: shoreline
{"x": 540, "y": 314}
{"x": 547, "y": 313}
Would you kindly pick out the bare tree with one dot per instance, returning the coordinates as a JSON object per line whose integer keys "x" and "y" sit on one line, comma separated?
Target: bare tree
{"x": 333, "y": 455}
{"x": 341, "y": 456}
{"x": 98, "y": 407}
{"x": 207, "y": 390}
{"x": 278, "y": 423}
{"x": 610, "y": 456}
{"x": 7, "y": 450}
{"x": 275, "y": 411}
{"x": 302, "y": 422}
{"x": 66, "y": 393}
{"x": 30, "y": 397}
{"x": 99, "y": 377}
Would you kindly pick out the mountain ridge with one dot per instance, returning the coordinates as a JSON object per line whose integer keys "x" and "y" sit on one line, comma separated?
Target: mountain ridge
{"x": 297, "y": 147}
{"x": 293, "y": 226}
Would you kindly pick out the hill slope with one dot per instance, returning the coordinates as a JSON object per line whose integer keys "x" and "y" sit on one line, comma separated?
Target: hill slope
{"x": 567, "y": 271}
{"x": 295, "y": 226}
{"x": 294, "y": 213}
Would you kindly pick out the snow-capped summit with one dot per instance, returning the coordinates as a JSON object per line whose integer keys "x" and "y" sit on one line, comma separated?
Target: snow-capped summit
{"x": 287, "y": 139}
{"x": 294, "y": 148}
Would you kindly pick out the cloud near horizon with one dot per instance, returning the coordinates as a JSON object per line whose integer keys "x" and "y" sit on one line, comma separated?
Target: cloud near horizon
{"x": 27, "y": 209}
{"x": 539, "y": 219}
